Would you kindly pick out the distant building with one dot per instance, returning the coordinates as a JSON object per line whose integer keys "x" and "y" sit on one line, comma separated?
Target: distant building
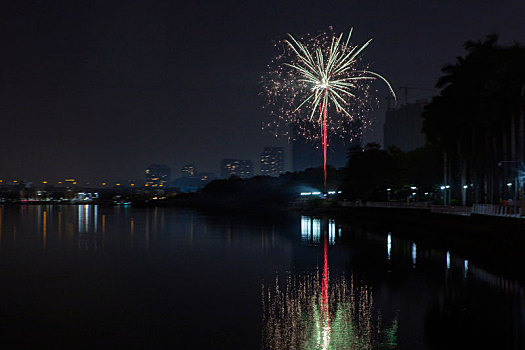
{"x": 403, "y": 127}
{"x": 236, "y": 167}
{"x": 157, "y": 175}
{"x": 272, "y": 161}
{"x": 193, "y": 183}
{"x": 204, "y": 178}
{"x": 188, "y": 170}
{"x": 310, "y": 155}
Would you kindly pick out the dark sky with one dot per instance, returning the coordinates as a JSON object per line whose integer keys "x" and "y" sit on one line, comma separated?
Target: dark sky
{"x": 101, "y": 89}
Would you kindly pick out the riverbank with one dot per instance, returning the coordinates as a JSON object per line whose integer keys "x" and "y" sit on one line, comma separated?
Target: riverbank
{"x": 497, "y": 241}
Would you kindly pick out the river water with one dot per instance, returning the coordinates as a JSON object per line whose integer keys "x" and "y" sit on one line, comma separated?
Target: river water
{"x": 119, "y": 277}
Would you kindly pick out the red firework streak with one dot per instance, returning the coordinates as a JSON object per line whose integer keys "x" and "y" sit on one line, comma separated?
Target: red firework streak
{"x": 325, "y": 279}
{"x": 324, "y": 287}
{"x": 324, "y": 131}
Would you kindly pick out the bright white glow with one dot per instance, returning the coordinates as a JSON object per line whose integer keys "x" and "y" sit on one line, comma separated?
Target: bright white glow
{"x": 509, "y": 184}
{"x": 331, "y": 192}
{"x": 466, "y": 267}
{"x": 80, "y": 218}
{"x": 448, "y": 260}
{"x": 339, "y": 191}
{"x": 426, "y": 193}
{"x": 316, "y": 193}
{"x": 316, "y": 230}
{"x": 388, "y": 245}
{"x": 413, "y": 188}
{"x": 442, "y": 187}
{"x": 331, "y": 231}
{"x": 413, "y": 193}
{"x": 306, "y": 228}
{"x": 447, "y": 186}
{"x": 86, "y": 213}
{"x": 465, "y": 186}
{"x": 389, "y": 189}
{"x": 95, "y": 217}
{"x": 414, "y": 254}
{"x": 306, "y": 193}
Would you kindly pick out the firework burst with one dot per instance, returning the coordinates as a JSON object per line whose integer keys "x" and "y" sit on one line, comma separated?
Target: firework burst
{"x": 319, "y": 86}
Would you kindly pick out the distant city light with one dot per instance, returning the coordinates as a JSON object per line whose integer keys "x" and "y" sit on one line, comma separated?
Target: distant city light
{"x": 509, "y": 184}
{"x": 388, "y": 245}
{"x": 465, "y": 186}
{"x": 389, "y": 189}
{"x": 413, "y": 188}
{"x": 414, "y": 254}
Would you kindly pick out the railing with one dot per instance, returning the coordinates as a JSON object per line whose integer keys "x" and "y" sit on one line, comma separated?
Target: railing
{"x": 451, "y": 210}
{"x": 407, "y": 205}
{"x": 480, "y": 209}
{"x": 496, "y": 210}
{"x": 354, "y": 204}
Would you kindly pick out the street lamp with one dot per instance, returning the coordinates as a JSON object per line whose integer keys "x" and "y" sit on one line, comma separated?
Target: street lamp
{"x": 516, "y": 178}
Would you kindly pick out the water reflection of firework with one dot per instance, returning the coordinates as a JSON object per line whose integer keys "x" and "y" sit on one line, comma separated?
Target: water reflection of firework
{"x": 302, "y": 313}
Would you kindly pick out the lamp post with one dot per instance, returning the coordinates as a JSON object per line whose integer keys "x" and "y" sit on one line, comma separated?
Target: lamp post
{"x": 516, "y": 179}
{"x": 414, "y": 188}
{"x": 446, "y": 198}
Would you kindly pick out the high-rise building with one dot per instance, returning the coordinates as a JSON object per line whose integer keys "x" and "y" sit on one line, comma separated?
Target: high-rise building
{"x": 236, "y": 167}
{"x": 272, "y": 161}
{"x": 157, "y": 175}
{"x": 188, "y": 170}
{"x": 403, "y": 127}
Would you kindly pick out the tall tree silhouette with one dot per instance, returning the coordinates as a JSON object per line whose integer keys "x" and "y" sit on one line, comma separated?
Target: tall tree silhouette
{"x": 478, "y": 119}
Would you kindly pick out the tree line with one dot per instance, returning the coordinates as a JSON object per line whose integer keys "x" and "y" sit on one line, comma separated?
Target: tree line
{"x": 475, "y": 130}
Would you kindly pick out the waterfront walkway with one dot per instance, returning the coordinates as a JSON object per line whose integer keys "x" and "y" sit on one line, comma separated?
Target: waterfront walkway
{"x": 477, "y": 209}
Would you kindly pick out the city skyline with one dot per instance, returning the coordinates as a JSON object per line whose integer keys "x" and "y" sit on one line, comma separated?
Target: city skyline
{"x": 88, "y": 93}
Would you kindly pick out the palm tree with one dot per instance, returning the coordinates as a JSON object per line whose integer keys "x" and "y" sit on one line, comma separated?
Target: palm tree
{"x": 477, "y": 119}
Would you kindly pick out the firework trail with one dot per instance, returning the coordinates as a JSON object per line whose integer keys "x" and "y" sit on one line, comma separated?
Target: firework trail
{"x": 317, "y": 75}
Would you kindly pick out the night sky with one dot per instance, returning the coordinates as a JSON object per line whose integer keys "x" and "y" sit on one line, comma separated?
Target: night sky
{"x": 101, "y": 89}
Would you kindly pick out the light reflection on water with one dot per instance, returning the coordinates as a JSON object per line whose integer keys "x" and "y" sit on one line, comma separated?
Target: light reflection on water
{"x": 314, "y": 310}
{"x": 327, "y": 284}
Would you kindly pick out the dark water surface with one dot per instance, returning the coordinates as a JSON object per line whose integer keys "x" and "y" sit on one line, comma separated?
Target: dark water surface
{"x": 118, "y": 277}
